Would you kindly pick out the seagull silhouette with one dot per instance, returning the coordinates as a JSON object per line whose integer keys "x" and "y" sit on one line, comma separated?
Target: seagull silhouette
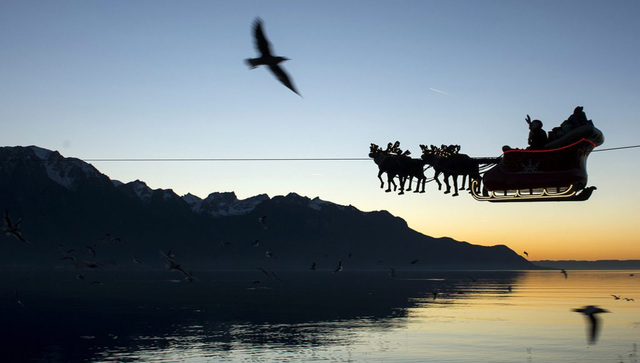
{"x": 12, "y": 229}
{"x": 527, "y": 254}
{"x": 80, "y": 263}
{"x": 564, "y": 273}
{"x": 590, "y": 312}
{"x": 188, "y": 275}
{"x": 266, "y": 58}
{"x": 339, "y": 268}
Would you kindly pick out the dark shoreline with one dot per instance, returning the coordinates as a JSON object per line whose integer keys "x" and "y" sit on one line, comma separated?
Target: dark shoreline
{"x": 590, "y": 265}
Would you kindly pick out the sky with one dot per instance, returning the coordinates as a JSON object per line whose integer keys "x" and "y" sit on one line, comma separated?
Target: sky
{"x": 166, "y": 79}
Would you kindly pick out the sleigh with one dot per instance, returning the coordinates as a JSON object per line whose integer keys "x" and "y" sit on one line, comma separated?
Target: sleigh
{"x": 556, "y": 173}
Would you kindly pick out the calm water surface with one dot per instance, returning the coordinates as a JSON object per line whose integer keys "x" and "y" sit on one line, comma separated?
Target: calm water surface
{"x": 522, "y": 316}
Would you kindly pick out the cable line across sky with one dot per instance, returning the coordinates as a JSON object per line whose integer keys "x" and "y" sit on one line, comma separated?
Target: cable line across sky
{"x": 270, "y": 159}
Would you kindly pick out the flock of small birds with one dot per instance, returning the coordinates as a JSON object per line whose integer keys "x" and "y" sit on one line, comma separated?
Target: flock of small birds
{"x": 12, "y": 229}
{"x": 82, "y": 259}
{"x": 618, "y": 297}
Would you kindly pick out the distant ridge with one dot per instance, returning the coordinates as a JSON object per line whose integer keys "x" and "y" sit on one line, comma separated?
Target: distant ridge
{"x": 72, "y": 212}
{"x": 590, "y": 265}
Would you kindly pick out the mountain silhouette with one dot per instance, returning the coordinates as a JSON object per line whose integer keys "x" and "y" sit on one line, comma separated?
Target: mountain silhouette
{"x": 68, "y": 208}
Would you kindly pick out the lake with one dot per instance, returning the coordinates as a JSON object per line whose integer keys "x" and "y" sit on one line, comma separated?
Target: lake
{"x": 452, "y": 316}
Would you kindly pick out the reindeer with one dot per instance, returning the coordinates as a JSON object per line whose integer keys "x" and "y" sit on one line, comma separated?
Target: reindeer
{"x": 450, "y": 164}
{"x": 387, "y": 163}
{"x": 412, "y": 168}
{"x": 394, "y": 162}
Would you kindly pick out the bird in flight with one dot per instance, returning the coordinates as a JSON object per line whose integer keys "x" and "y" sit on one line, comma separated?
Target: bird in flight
{"x": 80, "y": 263}
{"x": 12, "y": 229}
{"x": 188, "y": 275}
{"x": 339, "y": 268}
{"x": 590, "y": 312}
{"x": 564, "y": 273}
{"x": 266, "y": 58}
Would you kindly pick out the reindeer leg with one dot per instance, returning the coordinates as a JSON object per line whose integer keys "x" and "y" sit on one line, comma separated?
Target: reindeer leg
{"x": 380, "y": 177}
{"x": 435, "y": 177}
{"x": 390, "y": 182}
{"x": 455, "y": 186}
{"x": 446, "y": 182}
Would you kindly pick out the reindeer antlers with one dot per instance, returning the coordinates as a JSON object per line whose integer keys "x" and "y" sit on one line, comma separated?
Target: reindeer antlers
{"x": 528, "y": 119}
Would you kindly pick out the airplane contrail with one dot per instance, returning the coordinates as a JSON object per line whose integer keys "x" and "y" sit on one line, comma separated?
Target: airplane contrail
{"x": 443, "y": 92}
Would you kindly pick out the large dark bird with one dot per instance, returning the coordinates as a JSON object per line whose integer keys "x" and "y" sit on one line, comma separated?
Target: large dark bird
{"x": 590, "y": 312}
{"x": 266, "y": 58}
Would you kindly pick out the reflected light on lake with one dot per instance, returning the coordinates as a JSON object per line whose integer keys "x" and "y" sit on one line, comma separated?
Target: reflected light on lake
{"x": 349, "y": 316}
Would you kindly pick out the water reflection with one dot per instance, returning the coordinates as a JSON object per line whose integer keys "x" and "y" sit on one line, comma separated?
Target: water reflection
{"x": 133, "y": 318}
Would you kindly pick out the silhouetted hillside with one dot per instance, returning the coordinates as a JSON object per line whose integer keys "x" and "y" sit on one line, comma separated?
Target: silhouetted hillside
{"x": 70, "y": 211}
